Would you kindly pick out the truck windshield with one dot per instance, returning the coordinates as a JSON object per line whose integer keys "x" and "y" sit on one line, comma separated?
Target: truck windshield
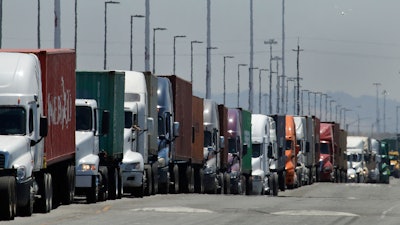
{"x": 13, "y": 121}
{"x": 207, "y": 138}
{"x": 324, "y": 148}
{"x": 83, "y": 118}
{"x": 128, "y": 119}
{"x": 354, "y": 157}
{"x": 256, "y": 150}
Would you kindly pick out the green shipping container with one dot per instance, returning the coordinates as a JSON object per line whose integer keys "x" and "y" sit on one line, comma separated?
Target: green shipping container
{"x": 246, "y": 137}
{"x": 107, "y": 88}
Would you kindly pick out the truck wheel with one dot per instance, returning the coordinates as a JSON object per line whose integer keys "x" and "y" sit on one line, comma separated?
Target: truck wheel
{"x": 141, "y": 191}
{"x": 69, "y": 186}
{"x": 175, "y": 186}
{"x": 299, "y": 178}
{"x": 92, "y": 195}
{"x": 164, "y": 187}
{"x": 281, "y": 181}
{"x": 45, "y": 203}
{"x": 27, "y": 209}
{"x": 103, "y": 180}
{"x": 49, "y": 195}
{"x": 8, "y": 202}
{"x": 227, "y": 183}
{"x": 310, "y": 176}
{"x": 190, "y": 178}
{"x": 154, "y": 177}
{"x": 220, "y": 178}
{"x": 113, "y": 184}
{"x": 274, "y": 181}
{"x": 242, "y": 185}
{"x": 149, "y": 182}
{"x": 120, "y": 185}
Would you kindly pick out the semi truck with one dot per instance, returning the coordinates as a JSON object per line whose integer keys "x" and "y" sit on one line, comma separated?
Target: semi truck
{"x": 107, "y": 89}
{"x": 291, "y": 152}
{"x": 304, "y": 157}
{"x": 260, "y": 137}
{"x": 357, "y": 149}
{"x": 316, "y": 146}
{"x": 140, "y": 162}
{"x": 89, "y": 180}
{"x": 239, "y": 150}
{"x": 224, "y": 144}
{"x": 278, "y": 164}
{"x": 213, "y": 175}
{"x": 329, "y": 141}
{"x": 393, "y": 156}
{"x": 37, "y": 132}
{"x": 341, "y": 158}
{"x": 182, "y": 163}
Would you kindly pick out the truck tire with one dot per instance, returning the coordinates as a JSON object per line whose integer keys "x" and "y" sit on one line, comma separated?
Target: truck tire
{"x": 227, "y": 183}
{"x": 113, "y": 183}
{"x": 175, "y": 184}
{"x": 221, "y": 186}
{"x": 149, "y": 181}
{"x": 120, "y": 190}
{"x": 69, "y": 186}
{"x": 154, "y": 178}
{"x": 45, "y": 203}
{"x": 92, "y": 195}
{"x": 281, "y": 181}
{"x": 242, "y": 185}
{"x": 103, "y": 180}
{"x": 190, "y": 179}
{"x": 198, "y": 180}
{"x": 163, "y": 188}
{"x": 27, "y": 209}
{"x": 299, "y": 178}
{"x": 8, "y": 203}
{"x": 274, "y": 182}
{"x": 139, "y": 192}
{"x": 310, "y": 176}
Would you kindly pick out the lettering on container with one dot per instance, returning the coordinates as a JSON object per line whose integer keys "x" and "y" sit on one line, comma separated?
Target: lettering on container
{"x": 60, "y": 107}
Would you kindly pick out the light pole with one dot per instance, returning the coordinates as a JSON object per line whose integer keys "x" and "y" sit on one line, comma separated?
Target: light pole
{"x": 384, "y": 110}
{"x": 238, "y": 86}
{"x": 270, "y": 42}
{"x": 191, "y": 58}
{"x": 175, "y": 37}
{"x": 330, "y": 109}
{"x": 154, "y": 46}
{"x": 397, "y": 119}
{"x": 251, "y": 96}
{"x": 105, "y": 31}
{"x": 277, "y": 58}
{"x": 377, "y": 107}
{"x": 208, "y": 73}
{"x": 259, "y": 88}
{"x": 302, "y": 101}
{"x": 38, "y": 23}
{"x": 224, "y": 81}
{"x": 131, "y": 42}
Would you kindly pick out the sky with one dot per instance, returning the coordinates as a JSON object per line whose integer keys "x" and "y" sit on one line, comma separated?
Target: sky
{"x": 347, "y": 44}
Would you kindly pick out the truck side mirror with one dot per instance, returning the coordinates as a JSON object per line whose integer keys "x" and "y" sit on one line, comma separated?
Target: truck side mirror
{"x": 43, "y": 126}
{"x": 150, "y": 126}
{"x": 221, "y": 141}
{"x": 105, "y": 122}
{"x": 176, "y": 129}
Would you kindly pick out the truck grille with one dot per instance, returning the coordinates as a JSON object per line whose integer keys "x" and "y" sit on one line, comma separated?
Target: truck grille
{"x": 2, "y": 160}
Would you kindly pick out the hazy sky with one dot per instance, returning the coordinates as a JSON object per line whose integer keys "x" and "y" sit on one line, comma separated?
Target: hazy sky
{"x": 348, "y": 44}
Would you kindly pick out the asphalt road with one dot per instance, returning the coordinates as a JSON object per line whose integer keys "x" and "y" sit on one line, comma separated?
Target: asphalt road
{"x": 320, "y": 203}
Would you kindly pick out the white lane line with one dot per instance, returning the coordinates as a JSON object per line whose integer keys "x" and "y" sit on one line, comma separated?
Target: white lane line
{"x": 177, "y": 209}
{"x": 313, "y": 213}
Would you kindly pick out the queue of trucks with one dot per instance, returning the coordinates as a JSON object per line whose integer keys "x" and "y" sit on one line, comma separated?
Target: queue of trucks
{"x": 105, "y": 134}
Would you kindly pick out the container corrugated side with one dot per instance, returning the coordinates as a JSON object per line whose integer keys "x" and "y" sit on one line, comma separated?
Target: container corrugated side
{"x": 197, "y": 130}
{"x": 223, "y": 126}
{"x": 246, "y": 137}
{"x": 107, "y": 87}
{"x": 151, "y": 83}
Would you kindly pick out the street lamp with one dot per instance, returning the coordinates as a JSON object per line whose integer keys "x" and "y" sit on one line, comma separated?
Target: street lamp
{"x": 175, "y": 37}
{"x": 270, "y": 42}
{"x": 238, "y": 86}
{"x": 131, "y": 46}
{"x": 302, "y": 101}
{"x": 377, "y": 107}
{"x": 259, "y": 88}
{"x": 105, "y": 30}
{"x": 154, "y": 46}
{"x": 191, "y": 58}
{"x": 208, "y": 73}
{"x": 277, "y": 58}
{"x": 225, "y": 57}
{"x": 251, "y": 96}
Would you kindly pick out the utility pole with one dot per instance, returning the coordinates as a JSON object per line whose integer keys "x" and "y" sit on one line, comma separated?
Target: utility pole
{"x": 57, "y": 23}
{"x": 377, "y": 107}
{"x": 270, "y": 42}
{"x": 298, "y": 50}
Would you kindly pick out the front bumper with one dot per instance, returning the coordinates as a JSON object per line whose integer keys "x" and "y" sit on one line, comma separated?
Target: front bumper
{"x": 132, "y": 179}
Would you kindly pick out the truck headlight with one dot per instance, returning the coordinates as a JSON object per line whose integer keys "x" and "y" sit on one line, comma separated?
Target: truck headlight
{"x": 87, "y": 167}
{"x": 21, "y": 173}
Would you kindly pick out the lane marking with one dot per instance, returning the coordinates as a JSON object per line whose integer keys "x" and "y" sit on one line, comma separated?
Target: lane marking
{"x": 313, "y": 213}
{"x": 177, "y": 209}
